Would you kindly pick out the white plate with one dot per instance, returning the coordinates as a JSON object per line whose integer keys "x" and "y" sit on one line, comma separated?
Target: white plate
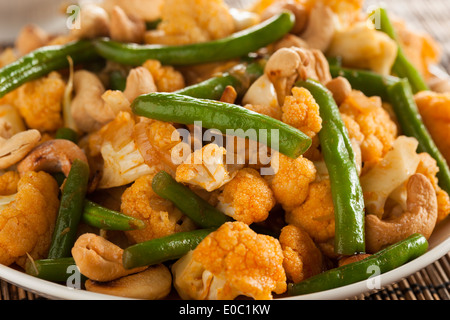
{"x": 439, "y": 245}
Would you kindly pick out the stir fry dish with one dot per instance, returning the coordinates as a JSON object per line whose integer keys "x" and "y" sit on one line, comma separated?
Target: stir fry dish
{"x": 184, "y": 149}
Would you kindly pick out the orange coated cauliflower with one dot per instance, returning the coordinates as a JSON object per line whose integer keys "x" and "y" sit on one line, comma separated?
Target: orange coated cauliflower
{"x": 166, "y": 78}
{"x": 247, "y": 198}
{"x": 290, "y": 184}
{"x": 193, "y": 21}
{"x": 435, "y": 111}
{"x": 316, "y": 214}
{"x": 428, "y": 167}
{"x": 370, "y": 125}
{"x": 302, "y": 258}
{"x": 8, "y": 182}
{"x": 231, "y": 261}
{"x": 40, "y": 102}
{"x": 27, "y": 220}
{"x": 302, "y": 112}
{"x": 162, "y": 218}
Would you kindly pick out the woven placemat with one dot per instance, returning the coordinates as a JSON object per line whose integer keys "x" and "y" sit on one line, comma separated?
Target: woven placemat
{"x": 432, "y": 282}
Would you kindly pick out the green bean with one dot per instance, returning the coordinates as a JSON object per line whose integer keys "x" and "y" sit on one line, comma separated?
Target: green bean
{"x": 67, "y": 133}
{"x": 385, "y": 260}
{"x": 103, "y": 218}
{"x": 410, "y": 121}
{"x": 402, "y": 67}
{"x": 42, "y": 61}
{"x": 162, "y": 249}
{"x": 240, "y": 78}
{"x": 234, "y": 46}
{"x": 70, "y": 210}
{"x": 55, "y": 270}
{"x": 340, "y": 161}
{"x": 228, "y": 118}
{"x": 188, "y": 202}
{"x": 368, "y": 82}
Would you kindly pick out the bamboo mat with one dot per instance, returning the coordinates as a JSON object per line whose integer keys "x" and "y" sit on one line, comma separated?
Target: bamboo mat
{"x": 432, "y": 282}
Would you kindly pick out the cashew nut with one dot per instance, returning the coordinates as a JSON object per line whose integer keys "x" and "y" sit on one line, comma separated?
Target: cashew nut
{"x": 94, "y": 22}
{"x": 281, "y": 68}
{"x": 87, "y": 108}
{"x": 286, "y": 65}
{"x": 92, "y": 106}
{"x": 126, "y": 28}
{"x": 14, "y": 149}
{"x": 154, "y": 283}
{"x": 99, "y": 259}
{"x": 299, "y": 11}
{"x": 420, "y": 217}
{"x": 30, "y": 38}
{"x": 139, "y": 81}
{"x": 52, "y": 156}
{"x": 320, "y": 29}
{"x": 340, "y": 87}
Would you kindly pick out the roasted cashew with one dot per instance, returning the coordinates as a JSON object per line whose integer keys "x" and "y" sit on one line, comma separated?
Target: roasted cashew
{"x": 126, "y": 28}
{"x": 340, "y": 88}
{"x": 420, "y": 217}
{"x": 154, "y": 283}
{"x": 14, "y": 149}
{"x": 94, "y": 22}
{"x": 139, "y": 81}
{"x": 320, "y": 29}
{"x": 287, "y": 65}
{"x": 52, "y": 156}
{"x": 99, "y": 259}
{"x": 92, "y": 106}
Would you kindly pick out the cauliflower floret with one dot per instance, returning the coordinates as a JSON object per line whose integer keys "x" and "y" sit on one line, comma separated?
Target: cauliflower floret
{"x": 302, "y": 258}
{"x": 193, "y": 21}
{"x": 40, "y": 102}
{"x": 435, "y": 111}
{"x": 363, "y": 47}
{"x": 231, "y": 261}
{"x": 247, "y": 198}
{"x": 162, "y": 218}
{"x": 205, "y": 168}
{"x": 290, "y": 184}
{"x": 316, "y": 214}
{"x": 122, "y": 161}
{"x": 370, "y": 125}
{"x": 302, "y": 112}
{"x": 166, "y": 78}
{"x": 428, "y": 167}
{"x": 27, "y": 221}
